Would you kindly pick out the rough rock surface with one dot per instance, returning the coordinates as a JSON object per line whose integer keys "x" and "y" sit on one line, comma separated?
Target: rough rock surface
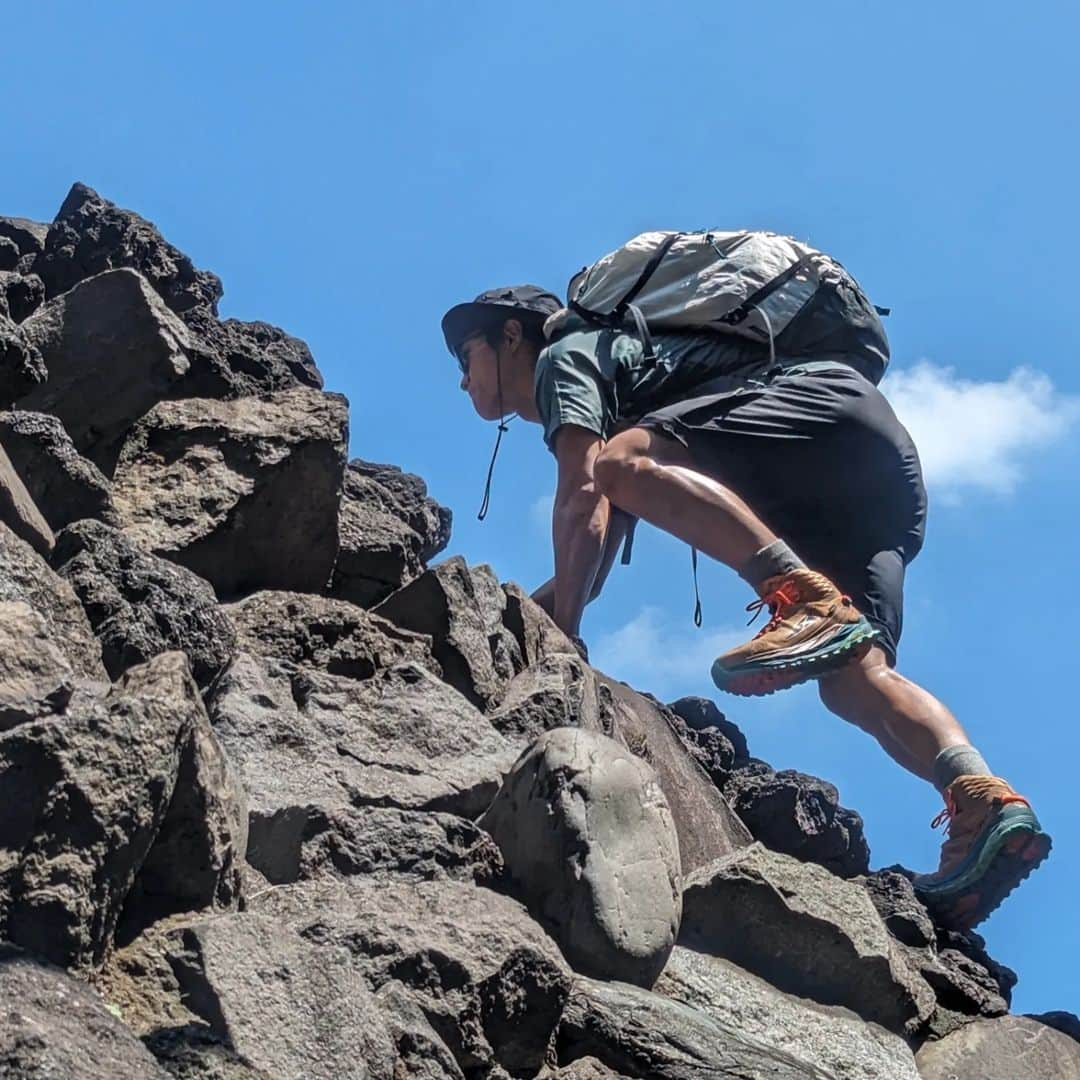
{"x": 799, "y": 815}
{"x": 287, "y": 1006}
{"x": 87, "y": 793}
{"x": 331, "y": 635}
{"x": 301, "y": 844}
{"x": 20, "y": 294}
{"x": 805, "y": 931}
{"x": 590, "y": 848}
{"x": 209, "y": 485}
{"x": 139, "y": 605}
{"x": 831, "y": 1040}
{"x": 21, "y": 365}
{"x": 25, "y": 576}
{"x": 301, "y": 738}
{"x": 489, "y": 980}
{"x": 52, "y": 1025}
{"x": 112, "y": 350}
{"x": 36, "y": 679}
{"x": 64, "y": 485}
{"x": 18, "y": 511}
{"x": 27, "y": 236}
{"x": 1003, "y": 1049}
{"x": 702, "y": 714}
{"x": 91, "y": 235}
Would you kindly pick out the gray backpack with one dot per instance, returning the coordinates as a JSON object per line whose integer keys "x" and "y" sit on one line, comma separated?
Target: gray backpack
{"x": 759, "y": 285}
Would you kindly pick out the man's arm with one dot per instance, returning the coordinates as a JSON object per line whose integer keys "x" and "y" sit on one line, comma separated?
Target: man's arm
{"x": 579, "y": 524}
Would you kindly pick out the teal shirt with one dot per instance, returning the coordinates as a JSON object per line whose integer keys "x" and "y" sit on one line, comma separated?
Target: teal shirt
{"x": 598, "y": 379}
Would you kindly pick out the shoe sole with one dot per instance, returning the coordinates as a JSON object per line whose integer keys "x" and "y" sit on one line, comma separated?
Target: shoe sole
{"x": 761, "y": 678}
{"x": 1008, "y": 849}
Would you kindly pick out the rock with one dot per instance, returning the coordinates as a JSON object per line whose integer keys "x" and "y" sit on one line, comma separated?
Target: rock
{"x": 701, "y": 714}
{"x": 64, "y": 485}
{"x": 1066, "y": 1022}
{"x": 289, "y": 1007}
{"x": 20, "y": 294}
{"x": 9, "y": 255}
{"x": 139, "y": 605}
{"x": 799, "y": 815}
{"x": 52, "y": 1025}
{"x": 805, "y": 931}
{"x": 642, "y": 1034}
{"x": 299, "y": 844}
{"x": 557, "y": 691}
{"x": 21, "y": 365}
{"x": 461, "y": 608}
{"x": 210, "y": 485}
{"x": 533, "y": 629}
{"x": 405, "y": 496}
{"x": 25, "y": 576}
{"x": 112, "y": 350}
{"x": 590, "y": 848}
{"x": 331, "y": 635}
{"x": 586, "y": 1068}
{"x": 422, "y": 1055}
{"x": 893, "y": 895}
{"x": 27, "y": 236}
{"x": 488, "y": 979}
{"x": 198, "y": 854}
{"x": 87, "y": 793}
{"x": 258, "y": 357}
{"x": 36, "y": 679}
{"x": 300, "y": 738}
{"x": 91, "y": 235}
{"x": 1001, "y": 1049}
{"x": 18, "y": 512}
{"x": 831, "y": 1041}
{"x": 708, "y": 746}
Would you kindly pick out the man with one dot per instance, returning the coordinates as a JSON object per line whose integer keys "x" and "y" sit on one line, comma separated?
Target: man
{"x": 760, "y": 462}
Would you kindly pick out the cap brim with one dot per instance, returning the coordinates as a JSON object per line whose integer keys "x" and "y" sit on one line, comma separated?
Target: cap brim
{"x": 465, "y": 319}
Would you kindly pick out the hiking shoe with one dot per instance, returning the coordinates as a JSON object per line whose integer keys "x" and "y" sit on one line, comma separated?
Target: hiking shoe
{"x": 814, "y": 629}
{"x": 994, "y": 842}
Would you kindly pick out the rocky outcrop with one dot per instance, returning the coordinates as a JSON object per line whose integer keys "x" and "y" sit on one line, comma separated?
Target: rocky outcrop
{"x": 285, "y": 800}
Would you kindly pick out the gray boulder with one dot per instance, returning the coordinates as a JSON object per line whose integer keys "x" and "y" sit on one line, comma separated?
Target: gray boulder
{"x": 28, "y": 237}
{"x": 488, "y": 979}
{"x": 638, "y": 1033}
{"x": 799, "y": 815}
{"x": 210, "y": 484}
{"x": 590, "y": 848}
{"x": 461, "y": 608}
{"x": 22, "y": 368}
{"x": 558, "y": 691}
{"x": 533, "y": 629}
{"x": 112, "y": 350}
{"x": 91, "y": 235}
{"x": 52, "y": 1025}
{"x": 331, "y": 635}
{"x": 299, "y": 844}
{"x": 139, "y": 605}
{"x": 1003, "y": 1049}
{"x": 805, "y": 931}
{"x": 64, "y": 485}
{"x": 86, "y": 796}
{"x": 300, "y": 738}
{"x": 831, "y": 1041}
{"x": 36, "y": 679}
{"x": 18, "y": 511}
{"x": 288, "y": 1007}
{"x": 701, "y": 714}
{"x": 26, "y": 577}
{"x": 422, "y": 1054}
{"x": 20, "y": 294}
{"x": 9, "y": 255}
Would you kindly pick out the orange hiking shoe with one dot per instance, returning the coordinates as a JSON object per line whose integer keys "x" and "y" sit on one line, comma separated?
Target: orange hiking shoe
{"x": 814, "y": 629}
{"x": 994, "y": 842}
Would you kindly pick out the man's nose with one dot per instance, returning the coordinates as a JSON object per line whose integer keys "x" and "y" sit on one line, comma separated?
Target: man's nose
{"x": 464, "y": 384}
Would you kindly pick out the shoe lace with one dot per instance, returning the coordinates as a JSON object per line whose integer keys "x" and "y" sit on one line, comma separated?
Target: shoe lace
{"x": 978, "y": 787}
{"x": 777, "y": 601}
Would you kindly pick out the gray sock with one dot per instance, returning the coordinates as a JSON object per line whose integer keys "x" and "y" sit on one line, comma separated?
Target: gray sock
{"x": 775, "y": 558}
{"x": 957, "y": 761}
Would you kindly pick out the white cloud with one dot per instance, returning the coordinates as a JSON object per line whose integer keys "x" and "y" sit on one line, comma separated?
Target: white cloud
{"x": 977, "y": 435}
{"x": 540, "y": 513}
{"x": 664, "y": 654}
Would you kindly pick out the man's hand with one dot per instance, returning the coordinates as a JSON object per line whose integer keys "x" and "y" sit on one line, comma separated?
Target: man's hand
{"x": 579, "y": 524}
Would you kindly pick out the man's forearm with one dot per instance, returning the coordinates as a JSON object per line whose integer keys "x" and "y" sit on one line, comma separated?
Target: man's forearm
{"x": 579, "y": 527}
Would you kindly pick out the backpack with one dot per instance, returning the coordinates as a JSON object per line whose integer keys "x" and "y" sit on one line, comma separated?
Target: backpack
{"x": 758, "y": 285}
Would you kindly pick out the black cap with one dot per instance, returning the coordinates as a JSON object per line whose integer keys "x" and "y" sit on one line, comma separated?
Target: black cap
{"x": 529, "y": 303}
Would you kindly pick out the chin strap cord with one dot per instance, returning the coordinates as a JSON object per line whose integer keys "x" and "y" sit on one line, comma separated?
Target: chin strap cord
{"x": 504, "y": 424}
{"x": 697, "y": 594}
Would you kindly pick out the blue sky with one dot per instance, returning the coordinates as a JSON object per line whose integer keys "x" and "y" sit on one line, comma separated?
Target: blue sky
{"x": 352, "y": 171}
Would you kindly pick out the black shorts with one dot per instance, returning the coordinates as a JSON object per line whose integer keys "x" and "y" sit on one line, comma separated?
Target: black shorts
{"x": 821, "y": 458}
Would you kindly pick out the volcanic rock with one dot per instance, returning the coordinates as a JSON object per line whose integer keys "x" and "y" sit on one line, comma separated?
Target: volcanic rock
{"x": 64, "y": 485}
{"x": 1002, "y": 1049}
{"x": 27, "y": 236}
{"x": 20, "y": 294}
{"x": 702, "y": 714}
{"x": 244, "y": 493}
{"x": 36, "y": 679}
{"x": 91, "y": 235}
{"x": 21, "y": 365}
{"x": 18, "y": 512}
{"x": 590, "y": 848}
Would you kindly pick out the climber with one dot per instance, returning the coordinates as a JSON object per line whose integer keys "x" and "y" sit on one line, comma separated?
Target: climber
{"x": 760, "y": 460}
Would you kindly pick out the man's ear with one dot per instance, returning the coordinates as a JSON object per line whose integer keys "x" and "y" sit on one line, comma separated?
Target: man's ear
{"x": 513, "y": 334}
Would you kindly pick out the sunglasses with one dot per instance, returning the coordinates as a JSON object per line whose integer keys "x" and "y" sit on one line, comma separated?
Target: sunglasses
{"x": 462, "y": 351}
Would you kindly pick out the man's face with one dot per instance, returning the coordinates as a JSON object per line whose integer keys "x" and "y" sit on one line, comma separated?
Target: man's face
{"x": 479, "y": 374}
